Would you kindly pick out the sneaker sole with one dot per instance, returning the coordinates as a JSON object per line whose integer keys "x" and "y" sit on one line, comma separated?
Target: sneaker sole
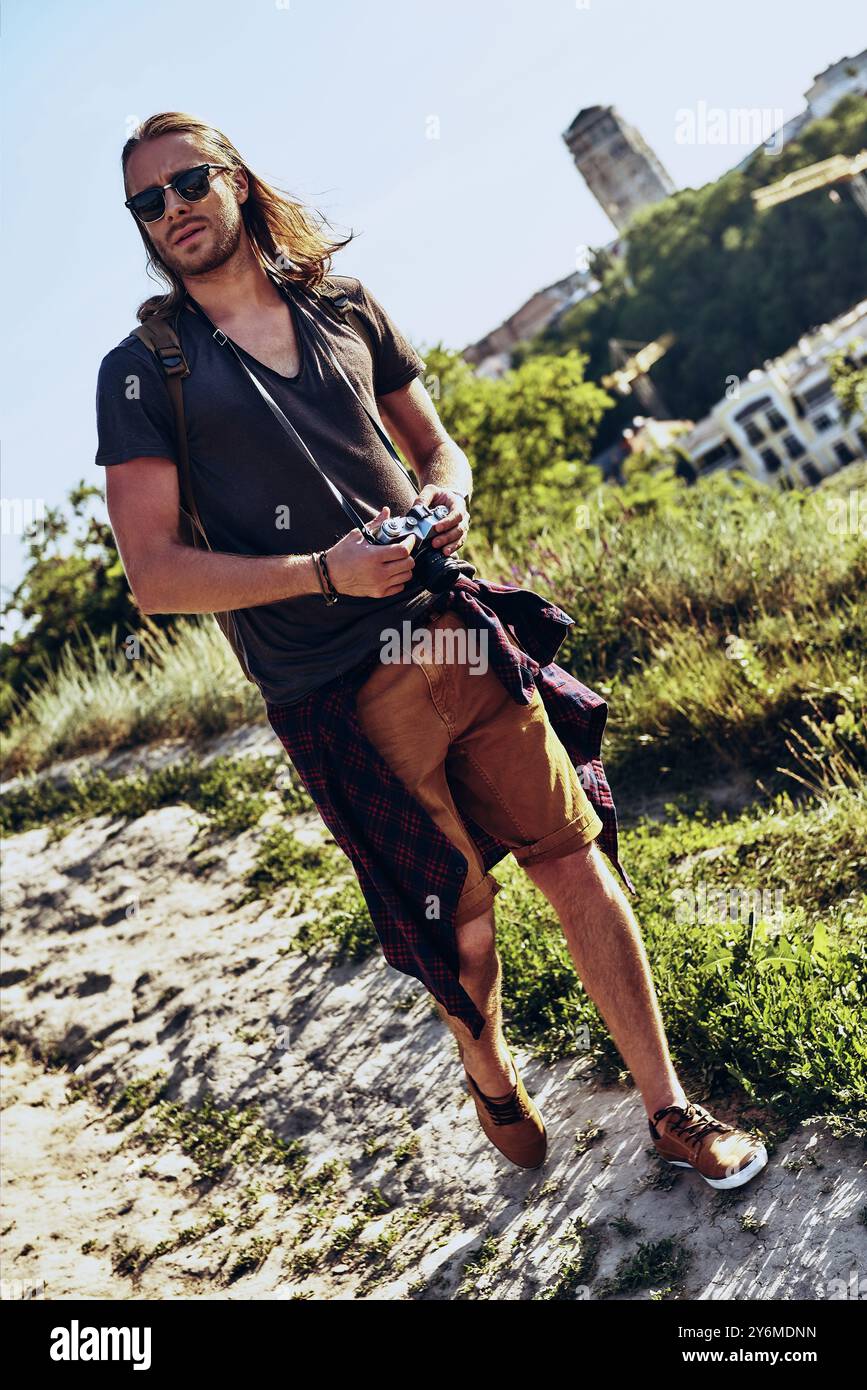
{"x": 737, "y": 1179}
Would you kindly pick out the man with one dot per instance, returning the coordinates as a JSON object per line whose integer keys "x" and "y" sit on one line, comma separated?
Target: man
{"x": 469, "y": 757}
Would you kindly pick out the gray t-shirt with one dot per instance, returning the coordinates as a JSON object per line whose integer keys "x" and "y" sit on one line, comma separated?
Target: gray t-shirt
{"x": 256, "y": 491}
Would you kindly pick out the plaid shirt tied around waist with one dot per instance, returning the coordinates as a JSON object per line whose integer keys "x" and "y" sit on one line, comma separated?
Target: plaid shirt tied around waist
{"x": 400, "y": 856}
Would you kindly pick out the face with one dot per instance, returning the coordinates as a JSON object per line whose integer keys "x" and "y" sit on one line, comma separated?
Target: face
{"x": 215, "y": 219}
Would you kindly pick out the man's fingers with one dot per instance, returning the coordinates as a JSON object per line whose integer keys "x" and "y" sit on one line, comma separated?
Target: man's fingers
{"x": 398, "y": 576}
{"x": 447, "y": 538}
{"x": 401, "y": 550}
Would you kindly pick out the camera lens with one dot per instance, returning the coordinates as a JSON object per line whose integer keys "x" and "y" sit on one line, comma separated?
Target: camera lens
{"x": 436, "y": 571}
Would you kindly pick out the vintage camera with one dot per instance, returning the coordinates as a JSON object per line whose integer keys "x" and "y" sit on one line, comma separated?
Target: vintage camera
{"x": 436, "y": 571}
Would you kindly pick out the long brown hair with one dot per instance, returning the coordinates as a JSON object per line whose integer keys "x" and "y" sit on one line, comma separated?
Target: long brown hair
{"x": 285, "y": 235}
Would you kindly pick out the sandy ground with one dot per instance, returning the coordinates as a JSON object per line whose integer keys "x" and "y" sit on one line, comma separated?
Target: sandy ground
{"x": 124, "y": 956}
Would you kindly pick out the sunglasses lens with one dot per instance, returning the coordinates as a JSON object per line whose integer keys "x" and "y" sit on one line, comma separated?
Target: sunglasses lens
{"x": 149, "y": 205}
{"x": 192, "y": 185}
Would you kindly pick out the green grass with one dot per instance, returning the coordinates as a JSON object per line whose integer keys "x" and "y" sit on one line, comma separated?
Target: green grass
{"x": 658, "y": 1265}
{"x": 214, "y": 1137}
{"x": 577, "y": 1269}
{"x": 477, "y": 1264}
{"x": 230, "y": 791}
{"x": 186, "y": 684}
{"x": 711, "y": 626}
{"x": 343, "y": 927}
{"x": 282, "y": 859}
{"x": 250, "y": 1258}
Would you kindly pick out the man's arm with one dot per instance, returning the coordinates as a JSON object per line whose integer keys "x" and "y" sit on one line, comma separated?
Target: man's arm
{"x": 168, "y": 576}
{"x": 411, "y": 420}
{"x": 410, "y": 417}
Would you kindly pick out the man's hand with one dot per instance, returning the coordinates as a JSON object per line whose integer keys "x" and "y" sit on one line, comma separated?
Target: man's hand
{"x": 370, "y": 571}
{"x": 451, "y": 532}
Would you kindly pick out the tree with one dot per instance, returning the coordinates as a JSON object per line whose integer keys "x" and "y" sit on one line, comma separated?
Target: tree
{"x": 74, "y": 586}
{"x": 849, "y": 379}
{"x": 528, "y": 435}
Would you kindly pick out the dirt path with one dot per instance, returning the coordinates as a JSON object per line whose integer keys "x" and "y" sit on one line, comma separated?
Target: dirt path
{"x": 124, "y": 958}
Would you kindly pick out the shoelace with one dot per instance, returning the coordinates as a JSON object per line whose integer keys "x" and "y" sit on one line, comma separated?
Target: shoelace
{"x": 503, "y": 1112}
{"x": 694, "y": 1123}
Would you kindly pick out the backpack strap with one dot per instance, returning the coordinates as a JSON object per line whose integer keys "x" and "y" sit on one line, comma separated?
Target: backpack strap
{"x": 160, "y": 336}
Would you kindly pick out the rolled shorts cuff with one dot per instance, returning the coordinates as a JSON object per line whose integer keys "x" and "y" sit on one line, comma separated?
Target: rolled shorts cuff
{"x": 578, "y": 832}
{"x": 475, "y": 901}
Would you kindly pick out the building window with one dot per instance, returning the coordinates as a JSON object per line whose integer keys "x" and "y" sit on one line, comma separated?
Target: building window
{"x": 771, "y": 459}
{"x": 823, "y": 422}
{"x": 794, "y": 447}
{"x": 810, "y": 473}
{"x": 822, "y": 392}
{"x": 775, "y": 419}
{"x": 763, "y": 403}
{"x": 843, "y": 452}
{"x": 722, "y": 453}
{"x": 752, "y": 432}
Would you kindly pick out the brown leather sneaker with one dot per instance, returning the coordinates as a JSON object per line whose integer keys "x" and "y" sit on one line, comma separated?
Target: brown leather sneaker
{"x": 511, "y": 1121}
{"x": 691, "y": 1138}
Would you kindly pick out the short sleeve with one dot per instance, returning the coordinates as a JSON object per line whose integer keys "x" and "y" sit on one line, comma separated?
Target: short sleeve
{"x": 397, "y": 361}
{"x": 134, "y": 416}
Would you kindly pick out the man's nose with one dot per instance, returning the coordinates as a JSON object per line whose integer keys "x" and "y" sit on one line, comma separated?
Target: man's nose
{"x": 173, "y": 199}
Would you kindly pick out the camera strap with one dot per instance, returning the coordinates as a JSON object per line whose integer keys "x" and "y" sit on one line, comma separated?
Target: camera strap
{"x": 336, "y": 364}
{"x": 223, "y": 340}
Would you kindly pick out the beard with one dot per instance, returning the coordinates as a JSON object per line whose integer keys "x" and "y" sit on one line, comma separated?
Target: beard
{"x": 221, "y": 240}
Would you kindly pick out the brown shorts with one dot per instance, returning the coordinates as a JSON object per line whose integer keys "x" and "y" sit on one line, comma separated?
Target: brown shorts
{"x": 447, "y": 727}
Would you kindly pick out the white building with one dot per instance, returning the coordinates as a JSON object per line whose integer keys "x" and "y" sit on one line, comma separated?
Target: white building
{"x": 837, "y": 81}
{"x": 783, "y": 423}
{"x": 830, "y": 86}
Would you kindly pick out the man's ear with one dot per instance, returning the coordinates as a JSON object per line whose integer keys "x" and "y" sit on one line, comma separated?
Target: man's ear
{"x": 241, "y": 183}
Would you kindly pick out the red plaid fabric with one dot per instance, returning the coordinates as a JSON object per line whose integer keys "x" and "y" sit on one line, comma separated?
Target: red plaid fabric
{"x": 399, "y": 854}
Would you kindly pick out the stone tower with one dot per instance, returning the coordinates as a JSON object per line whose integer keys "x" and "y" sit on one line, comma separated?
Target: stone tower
{"x": 620, "y": 169}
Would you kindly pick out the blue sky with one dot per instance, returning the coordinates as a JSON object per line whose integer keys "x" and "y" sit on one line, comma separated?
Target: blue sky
{"x": 333, "y": 101}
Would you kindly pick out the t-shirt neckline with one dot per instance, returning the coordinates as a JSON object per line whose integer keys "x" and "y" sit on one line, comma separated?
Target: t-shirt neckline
{"x": 299, "y": 338}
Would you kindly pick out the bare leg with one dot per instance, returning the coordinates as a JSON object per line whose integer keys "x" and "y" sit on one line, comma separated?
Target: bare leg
{"x": 485, "y": 1058}
{"x": 608, "y": 953}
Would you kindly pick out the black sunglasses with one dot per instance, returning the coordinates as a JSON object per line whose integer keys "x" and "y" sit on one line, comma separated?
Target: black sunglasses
{"x": 191, "y": 185}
